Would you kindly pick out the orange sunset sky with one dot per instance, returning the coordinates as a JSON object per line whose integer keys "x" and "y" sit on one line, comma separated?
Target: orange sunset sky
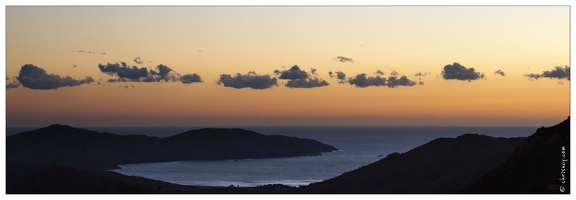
{"x": 421, "y": 47}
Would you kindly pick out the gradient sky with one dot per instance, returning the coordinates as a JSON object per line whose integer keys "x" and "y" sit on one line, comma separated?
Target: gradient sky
{"x": 211, "y": 41}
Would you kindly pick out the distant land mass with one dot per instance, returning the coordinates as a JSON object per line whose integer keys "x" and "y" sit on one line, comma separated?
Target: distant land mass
{"x": 470, "y": 163}
{"x": 90, "y": 150}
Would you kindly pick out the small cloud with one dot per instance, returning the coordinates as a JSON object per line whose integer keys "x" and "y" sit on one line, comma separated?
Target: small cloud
{"x": 558, "y": 72}
{"x": 138, "y": 60}
{"x": 393, "y": 82}
{"x": 393, "y": 73}
{"x": 313, "y": 72}
{"x": 378, "y": 72}
{"x": 191, "y": 78}
{"x": 12, "y": 85}
{"x": 306, "y": 83}
{"x": 341, "y": 76}
{"x": 459, "y": 72}
{"x": 344, "y": 59}
{"x": 88, "y": 52}
{"x": 361, "y": 81}
{"x": 117, "y": 80}
{"x": 135, "y": 74}
{"x": 123, "y": 71}
{"x": 15, "y": 83}
{"x": 422, "y": 74}
{"x": 34, "y": 77}
{"x": 293, "y": 73}
{"x": 500, "y": 72}
{"x": 162, "y": 73}
{"x": 251, "y": 80}
{"x": 300, "y": 78}
{"x": 533, "y": 76}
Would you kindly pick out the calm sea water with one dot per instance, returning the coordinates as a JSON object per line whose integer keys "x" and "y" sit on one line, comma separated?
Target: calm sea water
{"x": 359, "y": 146}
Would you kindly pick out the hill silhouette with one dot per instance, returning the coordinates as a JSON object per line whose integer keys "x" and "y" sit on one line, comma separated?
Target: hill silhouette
{"x": 444, "y": 165}
{"x": 31, "y": 151}
{"x": 535, "y": 167}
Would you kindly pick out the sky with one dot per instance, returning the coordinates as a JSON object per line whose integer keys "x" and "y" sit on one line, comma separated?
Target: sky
{"x": 287, "y": 65}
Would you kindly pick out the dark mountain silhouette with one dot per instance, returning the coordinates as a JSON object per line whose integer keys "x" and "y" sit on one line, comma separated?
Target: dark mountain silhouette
{"x": 31, "y": 151}
{"x": 65, "y": 145}
{"x": 535, "y": 167}
{"x": 444, "y": 165}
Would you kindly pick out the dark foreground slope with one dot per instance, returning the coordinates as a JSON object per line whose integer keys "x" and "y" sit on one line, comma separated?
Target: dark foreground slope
{"x": 539, "y": 165}
{"x": 58, "y": 179}
{"x": 444, "y": 165}
{"x": 28, "y": 152}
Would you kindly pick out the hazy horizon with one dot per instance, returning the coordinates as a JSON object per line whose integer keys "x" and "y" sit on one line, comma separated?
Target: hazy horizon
{"x": 231, "y": 66}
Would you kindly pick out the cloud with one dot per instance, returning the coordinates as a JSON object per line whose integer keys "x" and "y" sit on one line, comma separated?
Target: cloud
{"x": 251, "y": 80}
{"x": 163, "y": 74}
{"x": 33, "y": 77}
{"x": 533, "y": 76}
{"x": 138, "y": 60}
{"x": 135, "y": 74}
{"x": 459, "y": 72}
{"x": 313, "y": 71}
{"x": 500, "y": 72}
{"x": 293, "y": 73}
{"x": 88, "y": 52}
{"x": 361, "y": 80}
{"x": 393, "y": 82}
{"x": 422, "y": 74}
{"x": 306, "y": 83}
{"x": 14, "y": 84}
{"x": 341, "y": 76}
{"x": 393, "y": 73}
{"x": 123, "y": 71}
{"x": 378, "y": 72}
{"x": 300, "y": 78}
{"x": 344, "y": 59}
{"x": 116, "y": 80}
{"x": 558, "y": 72}
{"x": 191, "y": 78}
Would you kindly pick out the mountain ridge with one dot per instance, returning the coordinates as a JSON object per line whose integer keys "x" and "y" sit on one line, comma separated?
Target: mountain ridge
{"x": 536, "y": 166}
{"x": 443, "y": 165}
{"x": 82, "y": 148}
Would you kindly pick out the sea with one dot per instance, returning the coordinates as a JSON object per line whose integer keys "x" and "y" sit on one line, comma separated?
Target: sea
{"x": 358, "y": 146}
